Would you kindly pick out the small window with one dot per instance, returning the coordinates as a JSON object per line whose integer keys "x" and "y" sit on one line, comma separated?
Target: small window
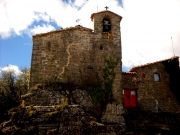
{"x": 48, "y": 45}
{"x": 89, "y": 67}
{"x": 133, "y": 93}
{"x": 156, "y": 77}
{"x": 101, "y": 47}
{"x": 143, "y": 75}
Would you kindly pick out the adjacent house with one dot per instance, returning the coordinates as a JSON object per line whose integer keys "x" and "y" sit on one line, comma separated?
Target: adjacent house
{"x": 153, "y": 86}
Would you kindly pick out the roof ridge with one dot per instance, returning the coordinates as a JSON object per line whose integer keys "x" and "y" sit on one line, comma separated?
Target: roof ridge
{"x": 102, "y": 12}
{"x": 151, "y": 63}
{"x": 129, "y": 72}
{"x": 65, "y": 29}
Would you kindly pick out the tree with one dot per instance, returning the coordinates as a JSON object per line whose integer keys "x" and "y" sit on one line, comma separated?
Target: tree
{"x": 8, "y": 93}
{"x": 12, "y": 86}
{"x": 22, "y": 81}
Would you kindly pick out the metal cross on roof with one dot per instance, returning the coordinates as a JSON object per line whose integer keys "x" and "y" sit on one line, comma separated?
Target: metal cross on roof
{"x": 78, "y": 21}
{"x": 106, "y": 8}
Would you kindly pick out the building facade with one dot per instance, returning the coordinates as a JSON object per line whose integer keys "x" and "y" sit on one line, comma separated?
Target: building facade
{"x": 156, "y": 85}
{"x": 72, "y": 53}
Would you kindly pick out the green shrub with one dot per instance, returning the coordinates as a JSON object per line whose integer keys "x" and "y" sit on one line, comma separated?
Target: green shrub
{"x": 96, "y": 93}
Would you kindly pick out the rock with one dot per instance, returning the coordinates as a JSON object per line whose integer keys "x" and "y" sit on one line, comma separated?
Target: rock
{"x": 111, "y": 133}
{"x": 113, "y": 114}
{"x": 113, "y": 119}
{"x": 43, "y": 98}
{"x": 82, "y": 98}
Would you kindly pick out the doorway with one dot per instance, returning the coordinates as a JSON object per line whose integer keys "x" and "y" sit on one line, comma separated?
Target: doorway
{"x": 130, "y": 98}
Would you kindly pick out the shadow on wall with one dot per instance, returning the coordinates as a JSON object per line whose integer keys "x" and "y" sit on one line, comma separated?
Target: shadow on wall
{"x": 173, "y": 69}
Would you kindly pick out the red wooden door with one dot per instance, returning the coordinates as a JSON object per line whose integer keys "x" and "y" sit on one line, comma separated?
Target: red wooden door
{"x": 129, "y": 98}
{"x": 126, "y": 98}
{"x": 133, "y": 98}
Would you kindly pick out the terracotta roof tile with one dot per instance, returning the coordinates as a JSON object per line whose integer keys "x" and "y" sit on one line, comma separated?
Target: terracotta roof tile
{"x": 147, "y": 64}
{"x": 61, "y": 30}
{"x": 92, "y": 15}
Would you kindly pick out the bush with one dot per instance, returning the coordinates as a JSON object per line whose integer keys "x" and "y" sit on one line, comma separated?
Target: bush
{"x": 11, "y": 88}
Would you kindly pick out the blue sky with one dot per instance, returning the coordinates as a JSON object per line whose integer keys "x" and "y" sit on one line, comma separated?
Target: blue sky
{"x": 17, "y": 49}
{"x": 146, "y": 28}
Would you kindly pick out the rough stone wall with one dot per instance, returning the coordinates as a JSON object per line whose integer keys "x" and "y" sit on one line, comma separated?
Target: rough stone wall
{"x": 129, "y": 80}
{"x": 151, "y": 92}
{"x": 43, "y": 98}
{"x": 57, "y": 97}
{"x": 72, "y": 53}
{"x": 60, "y": 54}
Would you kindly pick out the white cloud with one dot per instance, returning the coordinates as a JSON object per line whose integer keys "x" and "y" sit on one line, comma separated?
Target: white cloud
{"x": 79, "y": 3}
{"x": 146, "y": 28}
{"x": 41, "y": 29}
{"x": 5, "y": 28}
{"x": 13, "y": 68}
{"x": 17, "y": 16}
{"x": 42, "y": 16}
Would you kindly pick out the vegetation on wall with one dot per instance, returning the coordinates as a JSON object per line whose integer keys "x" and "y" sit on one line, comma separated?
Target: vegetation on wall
{"x": 101, "y": 93}
{"x": 105, "y": 79}
{"x": 96, "y": 93}
{"x": 109, "y": 76}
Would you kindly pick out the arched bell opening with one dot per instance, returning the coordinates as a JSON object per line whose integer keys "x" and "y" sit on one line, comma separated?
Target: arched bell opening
{"x": 106, "y": 25}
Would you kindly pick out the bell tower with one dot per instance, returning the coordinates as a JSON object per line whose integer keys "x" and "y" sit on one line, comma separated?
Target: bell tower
{"x": 106, "y": 27}
{"x": 106, "y": 21}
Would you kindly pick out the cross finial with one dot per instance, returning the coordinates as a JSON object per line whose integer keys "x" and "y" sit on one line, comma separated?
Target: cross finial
{"x": 78, "y": 20}
{"x": 106, "y": 8}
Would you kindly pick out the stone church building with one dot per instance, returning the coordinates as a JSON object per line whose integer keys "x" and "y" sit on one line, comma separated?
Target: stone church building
{"x": 77, "y": 56}
{"x": 72, "y": 53}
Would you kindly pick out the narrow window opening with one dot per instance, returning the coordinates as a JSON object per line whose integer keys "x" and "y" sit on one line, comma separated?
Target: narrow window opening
{"x": 89, "y": 67}
{"x": 48, "y": 45}
{"x": 143, "y": 75}
{"x": 101, "y": 47}
{"x": 156, "y": 77}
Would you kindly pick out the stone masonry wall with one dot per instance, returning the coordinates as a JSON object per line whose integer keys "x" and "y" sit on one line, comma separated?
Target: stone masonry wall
{"x": 152, "y": 94}
{"x": 60, "y": 54}
{"x": 111, "y": 46}
{"x": 129, "y": 80}
{"x": 71, "y": 54}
